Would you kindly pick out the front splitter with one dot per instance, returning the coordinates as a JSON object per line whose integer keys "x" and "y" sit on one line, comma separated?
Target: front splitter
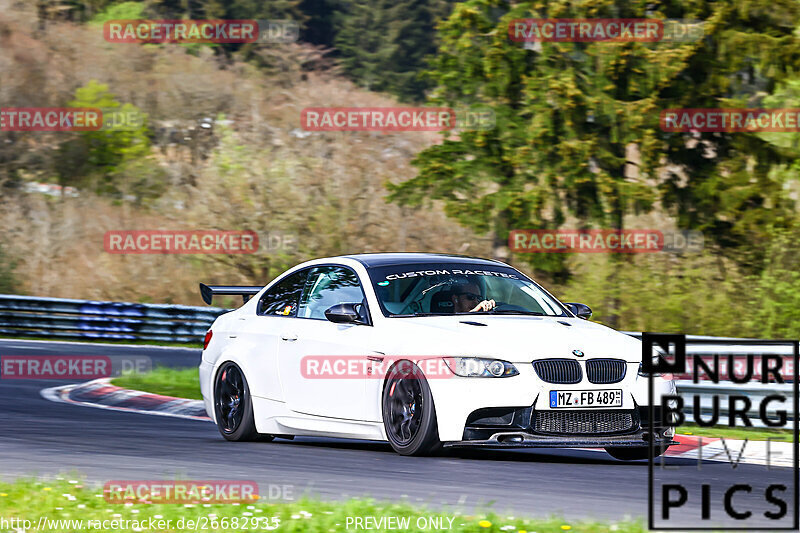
{"x": 528, "y": 440}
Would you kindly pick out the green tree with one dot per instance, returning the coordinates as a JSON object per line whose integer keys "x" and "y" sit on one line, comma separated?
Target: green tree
{"x": 229, "y": 9}
{"x": 83, "y": 10}
{"x": 122, "y": 11}
{"x": 416, "y": 41}
{"x": 365, "y": 41}
{"x": 578, "y": 133}
{"x": 383, "y": 45}
{"x": 320, "y": 28}
{"x": 786, "y": 95}
{"x": 775, "y": 291}
{"x": 727, "y": 185}
{"x": 99, "y": 159}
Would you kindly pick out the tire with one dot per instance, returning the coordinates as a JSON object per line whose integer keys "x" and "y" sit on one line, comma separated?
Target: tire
{"x": 409, "y": 416}
{"x": 233, "y": 408}
{"x": 634, "y": 454}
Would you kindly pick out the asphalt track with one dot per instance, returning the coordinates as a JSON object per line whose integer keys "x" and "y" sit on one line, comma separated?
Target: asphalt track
{"x": 43, "y": 438}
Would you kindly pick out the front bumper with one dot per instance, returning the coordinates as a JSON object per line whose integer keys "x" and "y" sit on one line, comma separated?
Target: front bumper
{"x": 457, "y": 399}
{"x": 518, "y": 428}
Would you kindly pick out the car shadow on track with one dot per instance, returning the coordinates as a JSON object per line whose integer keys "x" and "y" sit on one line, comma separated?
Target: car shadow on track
{"x": 557, "y": 455}
{"x": 520, "y": 455}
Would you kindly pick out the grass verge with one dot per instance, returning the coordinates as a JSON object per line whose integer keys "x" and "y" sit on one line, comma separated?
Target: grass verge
{"x": 66, "y": 504}
{"x": 736, "y": 433}
{"x": 178, "y": 382}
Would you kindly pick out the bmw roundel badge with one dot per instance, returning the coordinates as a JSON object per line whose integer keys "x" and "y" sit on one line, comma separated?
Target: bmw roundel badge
{"x": 577, "y": 353}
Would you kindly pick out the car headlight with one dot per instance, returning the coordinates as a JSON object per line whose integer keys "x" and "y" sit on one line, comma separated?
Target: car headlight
{"x": 477, "y": 367}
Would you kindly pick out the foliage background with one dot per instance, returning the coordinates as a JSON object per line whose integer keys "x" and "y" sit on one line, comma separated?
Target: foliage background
{"x": 577, "y": 144}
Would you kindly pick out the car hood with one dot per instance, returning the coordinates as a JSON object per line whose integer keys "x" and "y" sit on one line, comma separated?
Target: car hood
{"x": 517, "y": 339}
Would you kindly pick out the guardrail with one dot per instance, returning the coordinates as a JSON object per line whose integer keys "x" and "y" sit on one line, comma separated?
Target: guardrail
{"x": 707, "y": 348}
{"x": 756, "y": 394}
{"x": 61, "y": 318}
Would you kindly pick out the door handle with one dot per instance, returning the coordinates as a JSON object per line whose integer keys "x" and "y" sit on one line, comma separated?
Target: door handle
{"x": 375, "y": 358}
{"x": 289, "y": 336}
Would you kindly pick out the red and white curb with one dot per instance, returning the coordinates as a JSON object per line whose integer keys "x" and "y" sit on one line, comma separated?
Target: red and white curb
{"x": 689, "y": 446}
{"x": 100, "y": 394}
{"x": 752, "y": 452}
{"x": 734, "y": 451}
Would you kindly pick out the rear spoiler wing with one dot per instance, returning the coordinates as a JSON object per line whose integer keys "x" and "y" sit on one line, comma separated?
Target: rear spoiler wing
{"x": 245, "y": 291}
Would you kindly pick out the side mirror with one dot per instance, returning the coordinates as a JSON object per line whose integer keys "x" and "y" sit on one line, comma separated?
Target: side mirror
{"x": 580, "y": 310}
{"x": 343, "y": 314}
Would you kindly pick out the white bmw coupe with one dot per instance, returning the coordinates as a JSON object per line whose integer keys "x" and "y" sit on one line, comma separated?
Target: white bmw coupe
{"x": 425, "y": 351}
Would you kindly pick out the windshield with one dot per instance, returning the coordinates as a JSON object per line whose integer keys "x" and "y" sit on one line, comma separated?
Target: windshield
{"x": 452, "y": 288}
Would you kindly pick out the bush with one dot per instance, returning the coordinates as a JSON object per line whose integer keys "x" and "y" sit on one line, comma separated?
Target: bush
{"x": 123, "y": 11}
{"x": 774, "y": 309}
{"x": 690, "y": 293}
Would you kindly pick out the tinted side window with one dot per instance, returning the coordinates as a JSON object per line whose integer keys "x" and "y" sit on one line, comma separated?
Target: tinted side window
{"x": 282, "y": 299}
{"x": 328, "y": 286}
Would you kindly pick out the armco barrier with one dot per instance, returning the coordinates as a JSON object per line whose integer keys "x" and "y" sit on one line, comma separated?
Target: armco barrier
{"x": 707, "y": 347}
{"x": 755, "y": 393}
{"x": 30, "y": 316}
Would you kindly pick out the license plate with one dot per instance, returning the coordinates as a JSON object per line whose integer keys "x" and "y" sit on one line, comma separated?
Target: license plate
{"x": 586, "y": 398}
